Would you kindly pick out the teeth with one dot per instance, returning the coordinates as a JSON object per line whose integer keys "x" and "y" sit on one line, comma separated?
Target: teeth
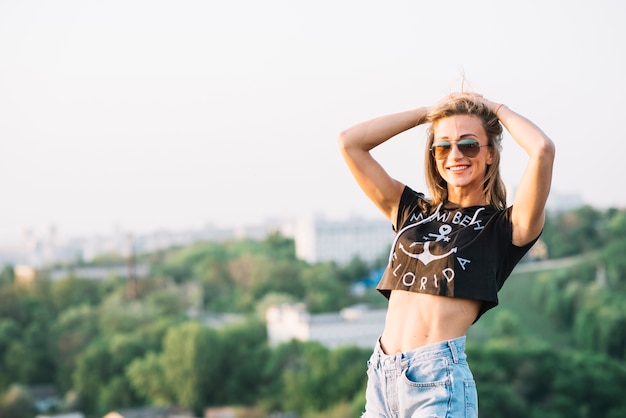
{"x": 458, "y": 167}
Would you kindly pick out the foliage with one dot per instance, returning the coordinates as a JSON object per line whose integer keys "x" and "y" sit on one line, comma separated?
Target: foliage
{"x": 200, "y": 366}
{"x": 236, "y": 275}
{"x": 24, "y": 337}
{"x": 88, "y": 338}
{"x": 308, "y": 378}
{"x": 244, "y": 351}
{"x": 7, "y": 275}
{"x": 72, "y": 291}
{"x": 593, "y": 311}
{"x": 190, "y": 362}
{"x": 526, "y": 379}
{"x": 324, "y": 292}
{"x": 587, "y": 299}
{"x": 574, "y": 232}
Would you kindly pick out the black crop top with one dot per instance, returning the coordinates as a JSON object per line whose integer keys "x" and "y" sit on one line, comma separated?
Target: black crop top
{"x": 451, "y": 251}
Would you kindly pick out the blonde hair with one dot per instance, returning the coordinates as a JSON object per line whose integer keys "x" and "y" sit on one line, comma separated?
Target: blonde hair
{"x": 494, "y": 191}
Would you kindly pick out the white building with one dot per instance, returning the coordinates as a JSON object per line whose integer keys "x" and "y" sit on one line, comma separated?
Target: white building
{"x": 358, "y": 326}
{"x": 319, "y": 240}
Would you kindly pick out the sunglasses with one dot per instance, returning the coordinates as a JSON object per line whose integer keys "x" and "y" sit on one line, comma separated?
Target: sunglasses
{"x": 468, "y": 147}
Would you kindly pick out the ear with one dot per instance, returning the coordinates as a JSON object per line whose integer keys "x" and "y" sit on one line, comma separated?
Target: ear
{"x": 489, "y": 158}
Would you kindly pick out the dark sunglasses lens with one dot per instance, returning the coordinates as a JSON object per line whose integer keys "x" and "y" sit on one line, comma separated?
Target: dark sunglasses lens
{"x": 441, "y": 149}
{"x": 469, "y": 147}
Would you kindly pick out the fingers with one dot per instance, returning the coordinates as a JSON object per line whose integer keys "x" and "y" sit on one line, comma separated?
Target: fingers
{"x": 493, "y": 106}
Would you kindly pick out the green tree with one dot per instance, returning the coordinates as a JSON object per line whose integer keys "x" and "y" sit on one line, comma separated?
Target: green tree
{"x": 168, "y": 301}
{"x": 9, "y": 333}
{"x": 575, "y": 231}
{"x": 16, "y": 303}
{"x": 248, "y": 271}
{"x": 323, "y": 291}
{"x": 528, "y": 379}
{"x": 282, "y": 358}
{"x": 306, "y": 381}
{"x": 147, "y": 377}
{"x": 354, "y": 271}
{"x": 92, "y": 375}
{"x": 282, "y": 276}
{"x": 507, "y": 325}
{"x": 118, "y": 315}
{"x": 244, "y": 352}
{"x": 191, "y": 364}
{"x": 73, "y": 291}
{"x": 309, "y": 378}
{"x": 117, "y": 393}
{"x": 612, "y": 258}
{"x": 347, "y": 368}
{"x": 179, "y": 263}
{"x": 100, "y": 374}
{"x": 7, "y": 275}
{"x": 29, "y": 358}
{"x": 601, "y": 322}
{"x": 214, "y": 276}
{"x": 72, "y": 332}
{"x": 280, "y": 247}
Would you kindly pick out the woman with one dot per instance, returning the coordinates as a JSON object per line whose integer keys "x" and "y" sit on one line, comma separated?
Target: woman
{"x": 452, "y": 252}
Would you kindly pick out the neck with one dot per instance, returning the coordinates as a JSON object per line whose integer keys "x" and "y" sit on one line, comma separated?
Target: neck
{"x": 465, "y": 198}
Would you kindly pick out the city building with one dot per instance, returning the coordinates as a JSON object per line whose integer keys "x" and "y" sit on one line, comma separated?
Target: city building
{"x": 316, "y": 239}
{"x": 320, "y": 240}
{"x": 356, "y": 325}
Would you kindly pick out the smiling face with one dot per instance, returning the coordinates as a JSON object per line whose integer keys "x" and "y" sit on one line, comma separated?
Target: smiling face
{"x": 465, "y": 176}
{"x": 475, "y": 177}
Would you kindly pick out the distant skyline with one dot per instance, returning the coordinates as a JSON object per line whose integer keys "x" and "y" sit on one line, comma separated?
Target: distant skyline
{"x": 142, "y": 115}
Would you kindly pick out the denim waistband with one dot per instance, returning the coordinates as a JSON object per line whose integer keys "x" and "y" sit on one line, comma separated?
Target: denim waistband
{"x": 451, "y": 349}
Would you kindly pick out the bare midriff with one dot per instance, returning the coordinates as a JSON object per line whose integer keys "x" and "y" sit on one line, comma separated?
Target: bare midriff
{"x": 416, "y": 319}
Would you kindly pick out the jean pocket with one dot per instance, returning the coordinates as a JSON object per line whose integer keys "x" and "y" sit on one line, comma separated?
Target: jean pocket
{"x": 434, "y": 372}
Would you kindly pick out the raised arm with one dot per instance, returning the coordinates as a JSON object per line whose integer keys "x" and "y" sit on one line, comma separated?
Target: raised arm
{"x": 528, "y": 214}
{"x": 357, "y": 142}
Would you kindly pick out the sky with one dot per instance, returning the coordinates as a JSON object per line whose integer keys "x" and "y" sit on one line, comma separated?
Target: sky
{"x": 160, "y": 114}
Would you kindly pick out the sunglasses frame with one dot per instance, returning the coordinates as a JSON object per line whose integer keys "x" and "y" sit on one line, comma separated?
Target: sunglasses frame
{"x": 469, "y": 147}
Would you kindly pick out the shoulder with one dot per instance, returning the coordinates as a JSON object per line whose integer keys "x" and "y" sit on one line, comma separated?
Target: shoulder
{"x": 413, "y": 205}
{"x": 504, "y": 221}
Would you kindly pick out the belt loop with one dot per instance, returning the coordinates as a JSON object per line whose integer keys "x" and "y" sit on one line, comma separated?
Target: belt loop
{"x": 455, "y": 354}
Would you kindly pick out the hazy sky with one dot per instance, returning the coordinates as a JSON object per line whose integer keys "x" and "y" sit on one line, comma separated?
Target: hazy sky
{"x": 144, "y": 114}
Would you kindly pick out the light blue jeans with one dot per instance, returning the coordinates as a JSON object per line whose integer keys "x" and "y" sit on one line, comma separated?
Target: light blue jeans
{"x": 433, "y": 381}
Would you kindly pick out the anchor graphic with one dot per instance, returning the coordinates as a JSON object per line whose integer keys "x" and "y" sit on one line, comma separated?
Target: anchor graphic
{"x": 426, "y": 256}
{"x": 444, "y": 230}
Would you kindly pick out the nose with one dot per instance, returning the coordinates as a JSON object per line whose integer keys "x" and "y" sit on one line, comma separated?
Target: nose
{"x": 455, "y": 152}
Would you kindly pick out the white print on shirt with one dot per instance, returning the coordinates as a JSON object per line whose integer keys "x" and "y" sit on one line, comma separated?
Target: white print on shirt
{"x": 409, "y": 278}
{"x": 456, "y": 218}
{"x": 426, "y": 256}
